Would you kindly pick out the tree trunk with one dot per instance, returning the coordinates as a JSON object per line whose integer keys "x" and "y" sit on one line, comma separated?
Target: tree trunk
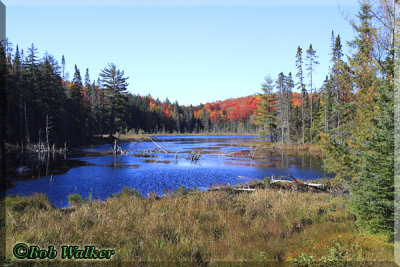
{"x": 26, "y": 125}
{"x": 311, "y": 115}
{"x": 302, "y": 115}
{"x": 112, "y": 121}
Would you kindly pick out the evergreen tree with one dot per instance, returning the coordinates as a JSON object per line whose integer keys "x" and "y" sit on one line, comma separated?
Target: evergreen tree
{"x": 327, "y": 103}
{"x": 205, "y": 121}
{"x": 115, "y": 84}
{"x": 364, "y": 154}
{"x": 87, "y": 78}
{"x": 311, "y": 63}
{"x": 301, "y": 87}
{"x": 3, "y": 109}
{"x": 373, "y": 193}
{"x": 63, "y": 67}
{"x": 76, "y": 109}
{"x": 289, "y": 85}
{"x": 266, "y": 111}
{"x": 284, "y": 85}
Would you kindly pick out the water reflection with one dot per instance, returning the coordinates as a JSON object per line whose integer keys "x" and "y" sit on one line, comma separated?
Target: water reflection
{"x": 93, "y": 170}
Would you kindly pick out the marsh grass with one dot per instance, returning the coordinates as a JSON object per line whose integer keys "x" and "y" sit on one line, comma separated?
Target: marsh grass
{"x": 215, "y": 226}
{"x": 310, "y": 148}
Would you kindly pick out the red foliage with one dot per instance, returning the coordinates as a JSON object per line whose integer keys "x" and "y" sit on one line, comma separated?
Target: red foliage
{"x": 230, "y": 109}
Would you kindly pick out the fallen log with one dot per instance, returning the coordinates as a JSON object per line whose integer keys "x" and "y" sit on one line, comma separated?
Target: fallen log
{"x": 244, "y": 189}
{"x": 162, "y": 149}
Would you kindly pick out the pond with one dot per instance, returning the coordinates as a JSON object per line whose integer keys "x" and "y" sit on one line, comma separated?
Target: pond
{"x": 93, "y": 171}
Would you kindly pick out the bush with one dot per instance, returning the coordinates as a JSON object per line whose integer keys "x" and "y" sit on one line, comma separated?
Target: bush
{"x": 132, "y": 131}
{"x": 76, "y": 199}
{"x": 182, "y": 190}
{"x": 335, "y": 255}
{"x": 37, "y": 201}
{"x": 128, "y": 192}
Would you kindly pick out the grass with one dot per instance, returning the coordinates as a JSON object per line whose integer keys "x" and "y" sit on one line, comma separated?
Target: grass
{"x": 264, "y": 226}
{"x": 311, "y": 148}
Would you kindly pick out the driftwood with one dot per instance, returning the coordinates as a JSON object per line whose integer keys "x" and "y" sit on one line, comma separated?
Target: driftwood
{"x": 193, "y": 155}
{"x": 307, "y": 187}
{"x": 162, "y": 149}
{"x": 295, "y": 185}
{"x": 117, "y": 150}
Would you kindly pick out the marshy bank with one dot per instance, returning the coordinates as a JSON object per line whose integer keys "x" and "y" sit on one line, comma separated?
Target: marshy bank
{"x": 267, "y": 225}
{"x": 264, "y": 145}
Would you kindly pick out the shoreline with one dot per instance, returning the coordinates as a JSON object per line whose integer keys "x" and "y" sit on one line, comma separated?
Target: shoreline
{"x": 292, "y": 225}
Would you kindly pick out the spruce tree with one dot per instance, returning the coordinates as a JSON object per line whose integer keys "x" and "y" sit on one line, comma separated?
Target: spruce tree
{"x": 87, "y": 78}
{"x": 76, "y": 109}
{"x": 373, "y": 193}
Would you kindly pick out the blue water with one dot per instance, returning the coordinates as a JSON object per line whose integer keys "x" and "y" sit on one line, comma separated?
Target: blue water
{"x": 222, "y": 161}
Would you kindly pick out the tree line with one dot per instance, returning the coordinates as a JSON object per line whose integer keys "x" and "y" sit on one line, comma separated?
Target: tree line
{"x": 42, "y": 103}
{"x": 351, "y": 116}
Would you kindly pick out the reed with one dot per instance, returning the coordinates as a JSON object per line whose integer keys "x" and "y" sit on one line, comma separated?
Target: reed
{"x": 266, "y": 225}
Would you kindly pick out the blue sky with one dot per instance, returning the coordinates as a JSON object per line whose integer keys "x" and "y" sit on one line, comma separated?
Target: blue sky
{"x": 190, "y": 53}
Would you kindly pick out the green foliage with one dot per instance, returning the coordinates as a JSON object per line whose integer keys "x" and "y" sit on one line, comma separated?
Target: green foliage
{"x": 76, "y": 199}
{"x": 304, "y": 260}
{"x": 182, "y": 190}
{"x": 128, "y": 192}
{"x": 335, "y": 255}
{"x": 360, "y": 148}
{"x": 115, "y": 84}
{"x": 373, "y": 193}
{"x": 266, "y": 111}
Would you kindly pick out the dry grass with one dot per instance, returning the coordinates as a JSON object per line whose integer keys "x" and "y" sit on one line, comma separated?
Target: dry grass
{"x": 311, "y": 148}
{"x": 267, "y": 225}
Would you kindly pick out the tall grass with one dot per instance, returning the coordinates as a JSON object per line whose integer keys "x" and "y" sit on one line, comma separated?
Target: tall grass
{"x": 311, "y": 148}
{"x": 266, "y": 225}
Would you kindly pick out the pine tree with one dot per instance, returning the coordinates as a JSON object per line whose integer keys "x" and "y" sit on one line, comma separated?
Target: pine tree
{"x": 301, "y": 86}
{"x": 327, "y": 103}
{"x": 115, "y": 84}
{"x": 87, "y": 78}
{"x": 266, "y": 111}
{"x": 289, "y": 85}
{"x": 76, "y": 109}
{"x": 284, "y": 85}
{"x": 311, "y": 63}
{"x": 63, "y": 67}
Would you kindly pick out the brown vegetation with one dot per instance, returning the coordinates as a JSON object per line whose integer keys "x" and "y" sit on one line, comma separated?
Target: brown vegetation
{"x": 214, "y": 226}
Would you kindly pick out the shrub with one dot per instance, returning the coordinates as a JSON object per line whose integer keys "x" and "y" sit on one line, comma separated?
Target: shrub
{"x": 37, "y": 201}
{"x": 182, "y": 190}
{"x": 335, "y": 255}
{"x": 128, "y": 192}
{"x": 76, "y": 200}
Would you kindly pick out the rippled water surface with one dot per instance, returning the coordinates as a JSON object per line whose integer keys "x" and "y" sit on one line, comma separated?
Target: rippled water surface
{"x": 91, "y": 171}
